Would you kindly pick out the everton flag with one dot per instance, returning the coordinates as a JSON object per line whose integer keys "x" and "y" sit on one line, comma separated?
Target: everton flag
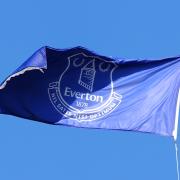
{"x": 77, "y": 87}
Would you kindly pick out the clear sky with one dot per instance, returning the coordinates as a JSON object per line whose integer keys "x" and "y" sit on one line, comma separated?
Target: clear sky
{"x": 119, "y": 28}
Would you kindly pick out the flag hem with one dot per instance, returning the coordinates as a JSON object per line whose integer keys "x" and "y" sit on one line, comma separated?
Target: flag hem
{"x": 20, "y": 73}
{"x": 37, "y": 61}
{"x": 175, "y": 131}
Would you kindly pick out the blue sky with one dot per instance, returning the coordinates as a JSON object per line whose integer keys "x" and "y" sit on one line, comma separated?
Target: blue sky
{"x": 119, "y": 28}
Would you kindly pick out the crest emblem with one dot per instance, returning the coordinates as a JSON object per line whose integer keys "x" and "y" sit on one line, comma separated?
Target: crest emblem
{"x": 84, "y": 91}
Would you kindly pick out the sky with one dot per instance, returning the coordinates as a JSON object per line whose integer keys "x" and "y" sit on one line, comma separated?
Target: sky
{"x": 119, "y": 28}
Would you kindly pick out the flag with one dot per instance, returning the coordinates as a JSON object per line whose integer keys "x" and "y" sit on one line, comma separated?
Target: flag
{"x": 80, "y": 88}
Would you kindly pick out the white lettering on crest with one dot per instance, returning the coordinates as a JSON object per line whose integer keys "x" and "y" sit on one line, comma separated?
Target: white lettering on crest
{"x": 86, "y": 96}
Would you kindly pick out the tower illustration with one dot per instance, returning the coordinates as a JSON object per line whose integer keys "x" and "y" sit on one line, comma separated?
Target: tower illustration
{"x": 87, "y": 75}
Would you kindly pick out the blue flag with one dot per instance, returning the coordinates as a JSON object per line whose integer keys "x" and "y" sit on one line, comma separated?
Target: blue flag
{"x": 77, "y": 87}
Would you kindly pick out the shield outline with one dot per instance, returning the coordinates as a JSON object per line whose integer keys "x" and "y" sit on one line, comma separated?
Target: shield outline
{"x": 91, "y": 110}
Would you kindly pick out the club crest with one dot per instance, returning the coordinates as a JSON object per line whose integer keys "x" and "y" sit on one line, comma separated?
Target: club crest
{"x": 84, "y": 91}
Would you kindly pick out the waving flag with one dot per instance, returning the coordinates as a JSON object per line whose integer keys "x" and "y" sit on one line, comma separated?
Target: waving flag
{"x": 77, "y": 87}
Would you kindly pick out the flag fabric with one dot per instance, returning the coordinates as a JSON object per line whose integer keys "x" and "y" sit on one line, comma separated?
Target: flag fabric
{"x": 77, "y": 87}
